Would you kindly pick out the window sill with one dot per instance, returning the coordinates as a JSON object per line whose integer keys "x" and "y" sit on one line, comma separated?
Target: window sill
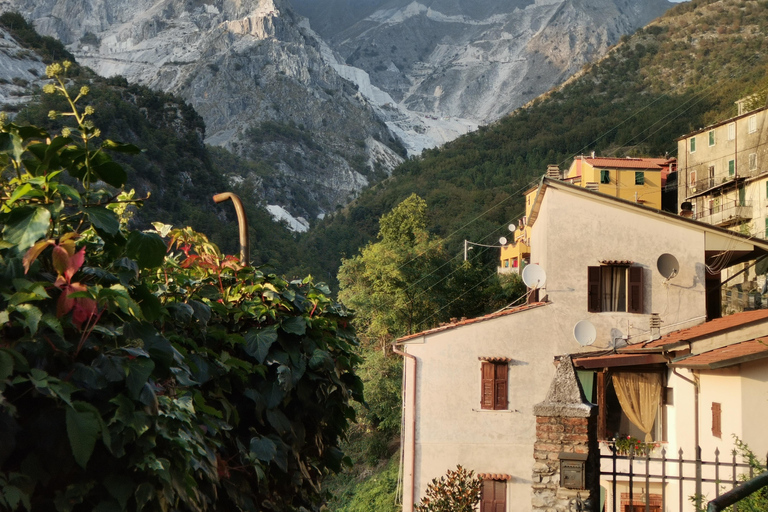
{"x": 494, "y": 410}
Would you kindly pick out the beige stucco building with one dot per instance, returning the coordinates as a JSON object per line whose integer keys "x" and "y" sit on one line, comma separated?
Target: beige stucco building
{"x": 470, "y": 387}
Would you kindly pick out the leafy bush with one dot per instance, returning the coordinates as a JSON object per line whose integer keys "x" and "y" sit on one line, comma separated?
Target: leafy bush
{"x": 458, "y": 491}
{"x": 144, "y": 370}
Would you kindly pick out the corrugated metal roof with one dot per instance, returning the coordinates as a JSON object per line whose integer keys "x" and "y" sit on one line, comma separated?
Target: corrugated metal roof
{"x": 470, "y": 321}
{"x": 726, "y": 356}
{"x": 707, "y": 328}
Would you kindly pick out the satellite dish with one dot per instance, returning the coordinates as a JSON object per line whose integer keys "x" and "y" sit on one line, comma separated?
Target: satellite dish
{"x": 667, "y": 265}
{"x": 585, "y": 333}
{"x": 503, "y": 241}
{"x": 534, "y": 276}
{"x": 512, "y": 228}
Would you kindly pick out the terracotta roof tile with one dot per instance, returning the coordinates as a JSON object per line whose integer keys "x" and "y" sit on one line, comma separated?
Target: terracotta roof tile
{"x": 653, "y": 164}
{"x": 494, "y": 476}
{"x": 495, "y": 359}
{"x": 707, "y": 328}
{"x": 726, "y": 356}
{"x": 473, "y": 320}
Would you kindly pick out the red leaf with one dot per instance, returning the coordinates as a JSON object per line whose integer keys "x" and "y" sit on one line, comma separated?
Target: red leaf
{"x": 31, "y": 255}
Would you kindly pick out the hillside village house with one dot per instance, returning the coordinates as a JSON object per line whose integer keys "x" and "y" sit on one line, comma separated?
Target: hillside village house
{"x": 701, "y": 386}
{"x": 638, "y": 180}
{"x": 723, "y": 181}
{"x": 470, "y": 387}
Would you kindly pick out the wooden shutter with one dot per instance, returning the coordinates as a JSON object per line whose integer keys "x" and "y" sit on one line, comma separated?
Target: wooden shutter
{"x": 593, "y": 289}
{"x": 488, "y": 374}
{"x": 635, "y": 295}
{"x": 716, "y": 420}
{"x": 500, "y": 386}
{"x": 494, "y": 496}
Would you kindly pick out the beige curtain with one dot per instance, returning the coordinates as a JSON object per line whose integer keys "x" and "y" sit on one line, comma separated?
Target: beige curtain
{"x": 639, "y": 395}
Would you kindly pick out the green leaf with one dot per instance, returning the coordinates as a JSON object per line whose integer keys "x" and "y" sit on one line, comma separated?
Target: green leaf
{"x": 258, "y": 341}
{"x": 278, "y": 420}
{"x": 26, "y": 225}
{"x": 144, "y": 493}
{"x": 321, "y": 359}
{"x": 137, "y": 372}
{"x": 4, "y": 318}
{"x": 32, "y": 316}
{"x": 25, "y": 191}
{"x": 120, "y": 488}
{"x": 263, "y": 448}
{"x": 111, "y": 173}
{"x": 121, "y": 147}
{"x": 6, "y": 365}
{"x": 149, "y": 303}
{"x": 12, "y": 144}
{"x": 295, "y": 325}
{"x": 83, "y": 427}
{"x": 148, "y": 249}
{"x": 103, "y": 219}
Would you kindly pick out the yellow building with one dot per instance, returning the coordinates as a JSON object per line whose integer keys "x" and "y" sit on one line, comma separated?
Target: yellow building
{"x": 639, "y": 180}
{"x": 634, "y": 179}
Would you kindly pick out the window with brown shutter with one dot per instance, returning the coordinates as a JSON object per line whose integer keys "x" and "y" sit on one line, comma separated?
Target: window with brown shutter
{"x": 494, "y": 496}
{"x": 494, "y": 385}
{"x": 716, "y": 416}
{"x": 615, "y": 288}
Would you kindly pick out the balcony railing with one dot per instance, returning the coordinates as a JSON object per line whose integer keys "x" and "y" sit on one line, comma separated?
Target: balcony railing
{"x": 708, "y": 183}
{"x": 726, "y": 213}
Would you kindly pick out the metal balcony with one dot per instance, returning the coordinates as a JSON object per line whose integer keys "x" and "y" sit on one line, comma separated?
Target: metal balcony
{"x": 728, "y": 213}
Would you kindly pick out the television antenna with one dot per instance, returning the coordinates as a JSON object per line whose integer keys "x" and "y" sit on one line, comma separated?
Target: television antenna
{"x": 585, "y": 333}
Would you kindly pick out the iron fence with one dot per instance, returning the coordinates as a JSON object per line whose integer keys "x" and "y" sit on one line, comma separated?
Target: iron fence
{"x": 642, "y": 482}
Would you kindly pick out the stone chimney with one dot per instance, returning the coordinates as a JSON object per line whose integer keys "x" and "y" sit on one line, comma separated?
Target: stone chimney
{"x": 553, "y": 172}
{"x": 566, "y": 470}
{"x": 686, "y": 210}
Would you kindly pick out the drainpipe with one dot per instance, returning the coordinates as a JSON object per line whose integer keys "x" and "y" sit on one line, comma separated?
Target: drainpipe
{"x": 408, "y": 505}
{"x": 242, "y": 223}
{"x": 697, "y": 389}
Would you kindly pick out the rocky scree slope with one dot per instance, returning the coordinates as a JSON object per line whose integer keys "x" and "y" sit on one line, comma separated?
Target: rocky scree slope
{"x": 253, "y": 73}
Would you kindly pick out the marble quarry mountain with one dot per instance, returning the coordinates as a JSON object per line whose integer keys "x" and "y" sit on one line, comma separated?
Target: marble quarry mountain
{"x": 332, "y": 95}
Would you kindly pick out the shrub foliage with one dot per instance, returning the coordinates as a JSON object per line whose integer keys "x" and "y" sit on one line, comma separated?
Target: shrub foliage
{"x": 144, "y": 370}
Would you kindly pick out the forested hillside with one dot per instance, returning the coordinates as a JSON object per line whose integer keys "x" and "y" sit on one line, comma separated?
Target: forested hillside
{"x": 681, "y": 72}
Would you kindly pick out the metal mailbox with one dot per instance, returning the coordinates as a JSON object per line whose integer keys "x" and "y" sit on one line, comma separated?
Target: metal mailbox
{"x": 572, "y": 470}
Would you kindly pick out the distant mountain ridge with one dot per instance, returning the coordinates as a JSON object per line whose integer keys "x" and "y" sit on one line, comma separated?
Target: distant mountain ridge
{"x": 476, "y": 60}
{"x": 252, "y": 72}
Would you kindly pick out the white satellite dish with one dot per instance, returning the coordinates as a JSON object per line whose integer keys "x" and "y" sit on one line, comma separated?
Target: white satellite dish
{"x": 512, "y": 228}
{"x": 668, "y": 266}
{"x": 585, "y": 333}
{"x": 503, "y": 240}
{"x": 534, "y": 276}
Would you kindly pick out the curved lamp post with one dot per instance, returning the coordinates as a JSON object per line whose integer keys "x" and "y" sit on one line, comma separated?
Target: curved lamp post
{"x": 242, "y": 222}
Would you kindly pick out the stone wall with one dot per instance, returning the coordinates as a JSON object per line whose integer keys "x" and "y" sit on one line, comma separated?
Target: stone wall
{"x": 566, "y": 430}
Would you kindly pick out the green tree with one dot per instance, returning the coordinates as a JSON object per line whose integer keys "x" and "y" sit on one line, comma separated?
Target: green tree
{"x": 145, "y": 370}
{"x": 395, "y": 285}
{"x": 458, "y": 491}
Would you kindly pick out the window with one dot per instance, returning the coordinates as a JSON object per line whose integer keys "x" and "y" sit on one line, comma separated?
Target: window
{"x": 766, "y": 228}
{"x": 716, "y": 424}
{"x": 752, "y": 161}
{"x": 693, "y": 178}
{"x": 630, "y": 403}
{"x": 752, "y": 124}
{"x": 766, "y": 189}
{"x": 514, "y": 263}
{"x": 711, "y": 137}
{"x": 731, "y": 167}
{"x": 693, "y": 144}
{"x": 506, "y": 263}
{"x": 639, "y": 178}
{"x": 615, "y": 288}
{"x": 494, "y": 385}
{"x": 731, "y": 131}
{"x": 494, "y": 496}
{"x": 605, "y": 176}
